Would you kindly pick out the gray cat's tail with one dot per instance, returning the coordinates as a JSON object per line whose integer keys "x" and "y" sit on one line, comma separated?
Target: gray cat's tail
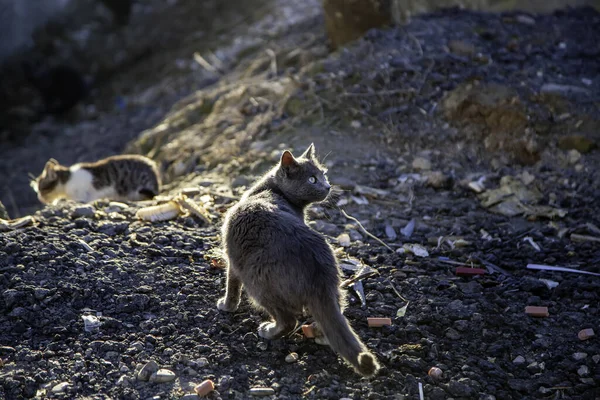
{"x": 341, "y": 337}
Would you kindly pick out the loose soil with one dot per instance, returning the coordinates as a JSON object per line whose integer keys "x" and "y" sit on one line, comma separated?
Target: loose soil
{"x": 407, "y": 120}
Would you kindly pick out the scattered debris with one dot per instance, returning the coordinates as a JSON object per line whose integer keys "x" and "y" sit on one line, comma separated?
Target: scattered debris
{"x": 466, "y": 271}
{"x": 415, "y": 249}
{"x": 178, "y": 205}
{"x": 291, "y": 358}
{"x": 402, "y": 311}
{"x": 549, "y": 283}
{"x": 360, "y": 291}
{"x": 262, "y": 391}
{"x": 421, "y": 395}
{"x": 586, "y": 334}
{"x": 408, "y": 230}
{"x": 477, "y": 186}
{"x": 390, "y": 232}
{"x": 13, "y": 224}
{"x": 584, "y": 238}
{"x": 535, "y": 311}
{"x": 311, "y": 331}
{"x": 344, "y": 240}
{"x": 162, "y": 376}
{"x": 363, "y": 273}
{"x": 375, "y": 322}
{"x": 362, "y": 228}
{"x": 435, "y": 373}
{"x": 204, "y": 388}
{"x": 533, "y": 244}
{"x": 147, "y": 370}
{"x": 91, "y": 323}
{"x": 562, "y": 269}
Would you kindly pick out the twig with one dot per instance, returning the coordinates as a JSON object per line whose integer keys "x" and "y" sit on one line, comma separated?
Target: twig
{"x": 396, "y": 291}
{"x": 362, "y": 228}
{"x": 273, "y": 57}
{"x": 207, "y": 66}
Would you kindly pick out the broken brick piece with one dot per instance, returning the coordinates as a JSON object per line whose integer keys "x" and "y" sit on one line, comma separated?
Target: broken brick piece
{"x": 585, "y": 334}
{"x": 378, "y": 322}
{"x": 204, "y": 388}
{"x": 466, "y": 271}
{"x": 535, "y": 311}
{"x": 308, "y": 331}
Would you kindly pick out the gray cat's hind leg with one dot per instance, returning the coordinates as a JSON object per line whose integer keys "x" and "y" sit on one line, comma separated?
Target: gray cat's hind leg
{"x": 233, "y": 293}
{"x": 284, "y": 324}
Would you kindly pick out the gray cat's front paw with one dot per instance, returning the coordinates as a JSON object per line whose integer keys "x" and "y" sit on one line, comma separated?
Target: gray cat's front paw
{"x": 268, "y": 330}
{"x": 224, "y": 305}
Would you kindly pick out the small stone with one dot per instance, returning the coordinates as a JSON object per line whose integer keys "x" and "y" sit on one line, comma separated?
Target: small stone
{"x": 453, "y": 334}
{"x": 344, "y": 240}
{"x": 124, "y": 381}
{"x": 291, "y": 358}
{"x": 585, "y": 334}
{"x": 573, "y": 156}
{"x": 204, "y": 388}
{"x": 583, "y": 370}
{"x": 519, "y": 360}
{"x": 189, "y": 396}
{"x": 435, "y": 373}
{"x": 576, "y": 142}
{"x": 525, "y": 19}
{"x": 84, "y": 211}
{"x": 147, "y": 370}
{"x": 596, "y": 358}
{"x": 201, "y": 362}
{"x": 260, "y": 391}
{"x": 162, "y": 375}
{"x": 579, "y": 356}
{"x": 355, "y": 124}
{"x": 437, "y": 179}
{"x": 461, "y": 48}
{"x": 240, "y": 181}
{"x": 421, "y": 163}
{"x": 324, "y": 227}
{"x": 60, "y": 388}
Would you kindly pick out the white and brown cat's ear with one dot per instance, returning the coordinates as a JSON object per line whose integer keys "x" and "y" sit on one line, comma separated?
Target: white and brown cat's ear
{"x": 310, "y": 152}
{"x": 288, "y": 160}
{"x": 49, "y": 168}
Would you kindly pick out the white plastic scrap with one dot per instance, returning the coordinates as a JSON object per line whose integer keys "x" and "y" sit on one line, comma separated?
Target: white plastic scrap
{"x": 90, "y": 323}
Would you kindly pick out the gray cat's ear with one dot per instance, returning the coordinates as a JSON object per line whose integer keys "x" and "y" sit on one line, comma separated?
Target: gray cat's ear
{"x": 49, "y": 170}
{"x": 310, "y": 152}
{"x": 288, "y": 160}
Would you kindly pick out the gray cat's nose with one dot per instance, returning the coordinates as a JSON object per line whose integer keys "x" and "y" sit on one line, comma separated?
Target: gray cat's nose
{"x": 327, "y": 185}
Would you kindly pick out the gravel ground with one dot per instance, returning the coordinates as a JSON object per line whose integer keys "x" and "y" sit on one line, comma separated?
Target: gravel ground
{"x": 409, "y": 163}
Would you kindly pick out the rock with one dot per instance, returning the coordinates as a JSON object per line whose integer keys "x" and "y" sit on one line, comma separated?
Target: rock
{"x": 583, "y": 370}
{"x": 579, "y": 356}
{"x": 162, "y": 375}
{"x": 437, "y": 179}
{"x": 344, "y": 240}
{"x": 291, "y": 358}
{"x": 525, "y": 19}
{"x": 421, "y": 163}
{"x": 519, "y": 360}
{"x": 461, "y": 48}
{"x": 460, "y": 388}
{"x": 260, "y": 391}
{"x": 147, "y": 370}
{"x": 40, "y": 293}
{"x": 84, "y": 211}
{"x": 190, "y": 396}
{"x": 453, "y": 334}
{"x": 555, "y": 88}
{"x": 60, "y": 388}
{"x": 240, "y": 181}
{"x": 576, "y": 142}
{"x": 124, "y": 381}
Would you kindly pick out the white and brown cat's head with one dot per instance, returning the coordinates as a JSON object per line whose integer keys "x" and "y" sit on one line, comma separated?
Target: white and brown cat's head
{"x": 303, "y": 178}
{"x": 49, "y": 185}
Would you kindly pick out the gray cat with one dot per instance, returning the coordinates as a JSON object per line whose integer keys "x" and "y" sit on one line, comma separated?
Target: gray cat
{"x": 284, "y": 265}
{"x": 125, "y": 177}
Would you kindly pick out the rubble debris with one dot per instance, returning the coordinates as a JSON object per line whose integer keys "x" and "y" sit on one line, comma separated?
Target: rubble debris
{"x": 561, "y": 269}
{"x": 466, "y": 271}
{"x": 586, "y": 334}
{"x": 375, "y": 322}
{"x": 535, "y": 311}
{"x": 435, "y": 373}
{"x": 204, "y": 388}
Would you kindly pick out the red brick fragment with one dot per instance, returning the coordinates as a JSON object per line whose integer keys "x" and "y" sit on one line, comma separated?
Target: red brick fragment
{"x": 378, "y": 322}
{"x": 466, "y": 271}
{"x": 535, "y": 311}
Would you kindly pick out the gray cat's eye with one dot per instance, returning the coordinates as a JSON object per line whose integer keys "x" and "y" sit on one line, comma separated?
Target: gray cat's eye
{"x": 312, "y": 179}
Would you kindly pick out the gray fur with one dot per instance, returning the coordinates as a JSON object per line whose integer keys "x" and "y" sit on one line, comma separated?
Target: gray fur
{"x": 284, "y": 265}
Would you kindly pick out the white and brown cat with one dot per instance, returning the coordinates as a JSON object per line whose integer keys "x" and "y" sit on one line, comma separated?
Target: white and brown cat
{"x": 124, "y": 177}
